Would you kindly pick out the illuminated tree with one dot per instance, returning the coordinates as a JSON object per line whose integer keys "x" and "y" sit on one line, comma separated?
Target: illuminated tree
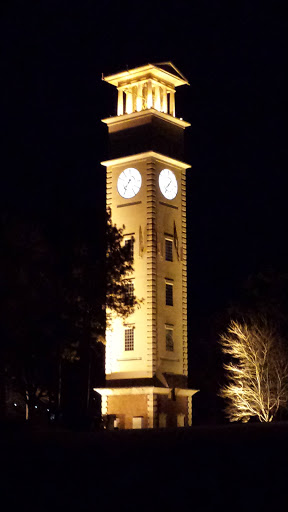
{"x": 258, "y": 373}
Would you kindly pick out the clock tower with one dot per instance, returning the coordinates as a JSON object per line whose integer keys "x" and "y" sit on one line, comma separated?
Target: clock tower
{"x": 146, "y": 354}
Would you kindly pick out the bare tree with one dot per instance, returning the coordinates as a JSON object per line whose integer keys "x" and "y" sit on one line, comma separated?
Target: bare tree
{"x": 258, "y": 373}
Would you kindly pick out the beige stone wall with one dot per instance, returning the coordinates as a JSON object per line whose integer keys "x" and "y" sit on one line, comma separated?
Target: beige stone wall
{"x": 172, "y": 407}
{"x": 126, "y": 407}
{"x": 149, "y": 218}
{"x": 169, "y": 221}
{"x": 132, "y": 213}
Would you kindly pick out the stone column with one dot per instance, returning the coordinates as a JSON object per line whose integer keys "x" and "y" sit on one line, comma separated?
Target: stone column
{"x": 134, "y": 98}
{"x": 139, "y": 98}
{"x": 120, "y": 103}
{"x": 172, "y": 104}
{"x": 164, "y": 103}
{"x": 149, "y": 95}
{"x": 157, "y": 98}
{"x": 129, "y": 102}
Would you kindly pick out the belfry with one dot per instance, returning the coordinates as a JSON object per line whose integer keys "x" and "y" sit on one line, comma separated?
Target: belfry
{"x": 146, "y": 354}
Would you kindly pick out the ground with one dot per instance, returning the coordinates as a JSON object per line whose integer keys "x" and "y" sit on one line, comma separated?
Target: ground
{"x": 233, "y": 467}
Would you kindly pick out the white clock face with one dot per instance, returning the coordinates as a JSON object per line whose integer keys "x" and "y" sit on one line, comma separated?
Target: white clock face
{"x": 129, "y": 183}
{"x": 168, "y": 184}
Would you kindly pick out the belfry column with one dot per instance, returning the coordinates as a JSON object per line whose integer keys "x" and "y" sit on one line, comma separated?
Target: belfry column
{"x": 139, "y": 98}
{"x": 149, "y": 95}
{"x": 129, "y": 102}
{"x": 172, "y": 104}
{"x": 157, "y": 98}
{"x": 120, "y": 111}
{"x": 164, "y": 106}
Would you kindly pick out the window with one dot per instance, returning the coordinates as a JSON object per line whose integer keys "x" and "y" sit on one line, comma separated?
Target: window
{"x": 169, "y": 339}
{"x": 169, "y": 294}
{"x": 129, "y": 292}
{"x": 168, "y": 250}
{"x": 129, "y": 338}
{"x": 129, "y": 242}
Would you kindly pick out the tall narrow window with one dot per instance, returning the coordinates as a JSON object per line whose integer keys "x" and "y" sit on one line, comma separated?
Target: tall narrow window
{"x": 129, "y": 242}
{"x": 129, "y": 285}
{"x": 169, "y": 339}
{"x": 169, "y": 294}
{"x": 130, "y": 289}
{"x": 168, "y": 250}
{"x": 129, "y": 338}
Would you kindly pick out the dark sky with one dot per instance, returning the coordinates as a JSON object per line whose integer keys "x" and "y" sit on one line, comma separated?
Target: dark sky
{"x": 53, "y": 55}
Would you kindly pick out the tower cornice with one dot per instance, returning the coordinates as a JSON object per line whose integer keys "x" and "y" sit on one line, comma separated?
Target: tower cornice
{"x": 143, "y": 156}
{"x": 164, "y": 71}
{"x": 142, "y": 117}
{"x": 145, "y": 390}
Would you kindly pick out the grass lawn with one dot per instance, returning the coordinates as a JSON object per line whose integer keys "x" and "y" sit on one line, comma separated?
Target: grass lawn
{"x": 233, "y": 467}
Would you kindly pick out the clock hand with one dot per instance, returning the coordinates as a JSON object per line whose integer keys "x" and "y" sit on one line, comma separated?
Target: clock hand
{"x": 168, "y": 185}
{"x": 127, "y": 184}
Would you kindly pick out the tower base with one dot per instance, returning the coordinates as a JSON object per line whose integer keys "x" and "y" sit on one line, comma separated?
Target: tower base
{"x": 146, "y": 407}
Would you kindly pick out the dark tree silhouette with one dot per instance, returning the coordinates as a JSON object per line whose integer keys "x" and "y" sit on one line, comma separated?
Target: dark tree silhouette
{"x": 56, "y": 281}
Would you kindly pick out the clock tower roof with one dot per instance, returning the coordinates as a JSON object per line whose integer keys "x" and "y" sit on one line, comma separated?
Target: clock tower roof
{"x": 163, "y": 72}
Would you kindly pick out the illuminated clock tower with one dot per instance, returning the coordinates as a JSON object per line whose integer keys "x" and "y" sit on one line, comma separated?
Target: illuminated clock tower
{"x": 146, "y": 354}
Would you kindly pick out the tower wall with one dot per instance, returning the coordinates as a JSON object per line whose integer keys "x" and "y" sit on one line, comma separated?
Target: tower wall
{"x": 150, "y": 219}
{"x": 146, "y": 133}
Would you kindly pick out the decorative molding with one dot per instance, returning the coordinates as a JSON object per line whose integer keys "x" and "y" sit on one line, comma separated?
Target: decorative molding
{"x": 129, "y": 375}
{"x": 128, "y": 204}
{"x": 129, "y": 359}
{"x": 169, "y": 205}
{"x": 125, "y": 119}
{"x": 185, "y": 392}
{"x": 151, "y": 70}
{"x": 145, "y": 390}
{"x": 144, "y": 156}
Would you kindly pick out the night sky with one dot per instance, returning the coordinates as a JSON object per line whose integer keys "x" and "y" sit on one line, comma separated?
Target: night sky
{"x": 53, "y": 55}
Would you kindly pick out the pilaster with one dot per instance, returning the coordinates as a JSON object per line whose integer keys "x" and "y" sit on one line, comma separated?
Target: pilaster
{"x": 151, "y": 269}
{"x": 104, "y": 405}
{"x": 152, "y": 410}
{"x": 184, "y": 272}
{"x": 189, "y": 398}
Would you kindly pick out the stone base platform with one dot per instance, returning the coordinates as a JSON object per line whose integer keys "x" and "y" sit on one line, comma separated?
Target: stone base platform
{"x": 147, "y": 406}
